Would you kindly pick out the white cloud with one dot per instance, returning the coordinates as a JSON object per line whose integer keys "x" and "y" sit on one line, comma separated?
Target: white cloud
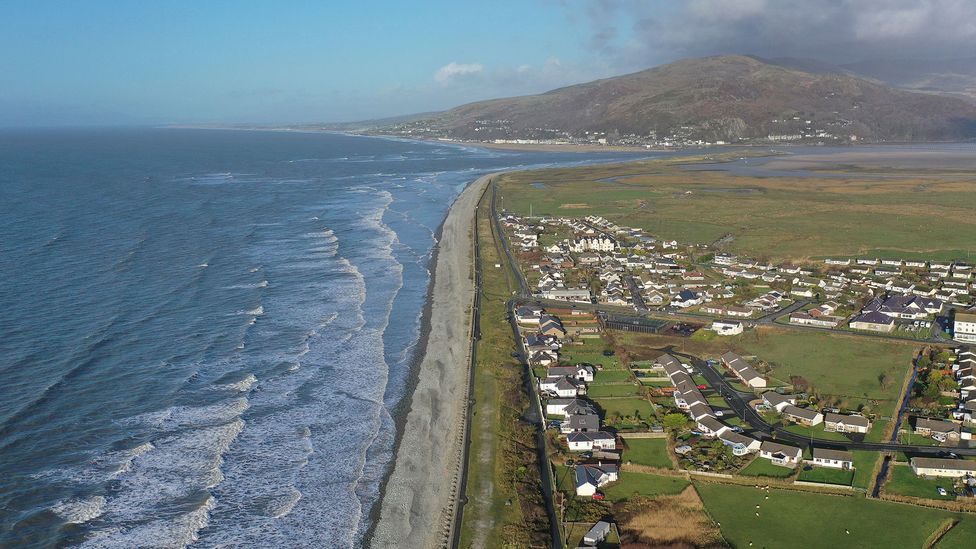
{"x": 452, "y": 70}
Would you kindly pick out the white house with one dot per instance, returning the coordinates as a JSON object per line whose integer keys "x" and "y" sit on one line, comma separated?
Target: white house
{"x": 585, "y": 442}
{"x": 741, "y": 444}
{"x": 561, "y": 386}
{"x": 942, "y": 467}
{"x": 964, "y": 327}
{"x": 598, "y": 533}
{"x": 742, "y": 370}
{"x": 590, "y": 478}
{"x": 780, "y": 454}
{"x": 846, "y": 424}
{"x": 579, "y": 372}
{"x": 686, "y": 298}
{"x": 727, "y": 327}
{"x": 804, "y": 416}
{"x": 777, "y": 401}
{"x": 836, "y": 459}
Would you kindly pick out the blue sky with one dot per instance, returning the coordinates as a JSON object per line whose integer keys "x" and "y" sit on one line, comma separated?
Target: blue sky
{"x": 74, "y": 62}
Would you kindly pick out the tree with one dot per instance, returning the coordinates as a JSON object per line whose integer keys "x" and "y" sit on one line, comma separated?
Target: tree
{"x": 675, "y": 422}
{"x": 884, "y": 380}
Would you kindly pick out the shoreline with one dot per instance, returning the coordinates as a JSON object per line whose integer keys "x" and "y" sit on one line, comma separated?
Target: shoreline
{"x": 418, "y": 497}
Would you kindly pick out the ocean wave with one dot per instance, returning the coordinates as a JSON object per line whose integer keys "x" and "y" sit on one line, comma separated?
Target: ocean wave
{"x": 79, "y": 511}
{"x": 282, "y": 504}
{"x": 243, "y": 385}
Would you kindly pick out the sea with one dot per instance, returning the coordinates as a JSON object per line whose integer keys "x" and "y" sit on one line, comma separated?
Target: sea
{"x": 207, "y": 336}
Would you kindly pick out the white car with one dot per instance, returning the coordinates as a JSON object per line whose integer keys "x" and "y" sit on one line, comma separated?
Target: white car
{"x": 942, "y": 491}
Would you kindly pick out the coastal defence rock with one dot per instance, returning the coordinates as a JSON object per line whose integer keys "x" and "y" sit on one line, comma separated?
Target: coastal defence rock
{"x": 419, "y": 502}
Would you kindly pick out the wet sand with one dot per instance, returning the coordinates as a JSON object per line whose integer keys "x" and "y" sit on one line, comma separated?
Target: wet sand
{"x": 419, "y": 499}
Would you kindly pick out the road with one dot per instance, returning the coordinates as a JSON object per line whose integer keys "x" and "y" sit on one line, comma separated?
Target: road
{"x": 739, "y": 403}
{"x": 635, "y": 295}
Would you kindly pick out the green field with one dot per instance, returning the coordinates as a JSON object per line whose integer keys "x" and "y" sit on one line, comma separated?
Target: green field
{"x": 591, "y": 351}
{"x": 843, "y": 367}
{"x": 826, "y": 475}
{"x": 813, "y": 521}
{"x": 596, "y": 390}
{"x": 648, "y": 451}
{"x": 644, "y": 484}
{"x": 960, "y": 537}
{"x": 817, "y": 431}
{"x": 864, "y": 462}
{"x": 761, "y": 467}
{"x": 781, "y": 217}
{"x": 905, "y": 482}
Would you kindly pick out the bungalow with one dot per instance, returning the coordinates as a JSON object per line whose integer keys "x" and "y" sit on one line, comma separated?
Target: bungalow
{"x": 743, "y": 370}
{"x": 806, "y": 319}
{"x": 551, "y": 326}
{"x": 777, "y": 401}
{"x": 741, "y": 444}
{"x": 590, "y": 478}
{"x": 780, "y": 454}
{"x": 580, "y": 372}
{"x": 711, "y": 427}
{"x": 727, "y": 327}
{"x": 528, "y": 314}
{"x": 846, "y": 424}
{"x": 572, "y": 295}
{"x": 699, "y": 410}
{"x": 560, "y": 386}
{"x": 544, "y": 357}
{"x": 687, "y": 395}
{"x": 686, "y": 298}
{"x": 803, "y": 416}
{"x": 942, "y": 467}
{"x": 837, "y": 459}
{"x": 585, "y": 442}
{"x": 598, "y": 533}
{"x": 936, "y": 428}
{"x": 873, "y": 321}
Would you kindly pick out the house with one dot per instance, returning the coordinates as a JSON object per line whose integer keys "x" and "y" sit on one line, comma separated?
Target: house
{"x": 528, "y": 314}
{"x": 846, "y": 424}
{"x": 803, "y": 416}
{"x": 686, "y": 298}
{"x": 581, "y": 423}
{"x": 727, "y": 327}
{"x": 568, "y": 406}
{"x": 551, "y": 326}
{"x": 711, "y": 427}
{"x": 937, "y": 428}
{"x": 942, "y": 467}
{"x": 873, "y": 321}
{"x": 571, "y": 295}
{"x": 806, "y": 319}
{"x": 777, "y": 401}
{"x": 740, "y": 444}
{"x": 580, "y": 372}
{"x": 743, "y": 370}
{"x": 910, "y": 307}
{"x": 585, "y": 442}
{"x": 837, "y": 459}
{"x": 545, "y": 357}
{"x": 700, "y": 410}
{"x": 589, "y": 478}
{"x": 560, "y": 386}
{"x": 780, "y": 454}
{"x": 964, "y": 327}
{"x": 598, "y": 533}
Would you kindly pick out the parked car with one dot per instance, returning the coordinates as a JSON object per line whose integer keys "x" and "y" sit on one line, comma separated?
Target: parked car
{"x": 942, "y": 491}
{"x": 736, "y": 429}
{"x": 599, "y": 496}
{"x": 719, "y": 413}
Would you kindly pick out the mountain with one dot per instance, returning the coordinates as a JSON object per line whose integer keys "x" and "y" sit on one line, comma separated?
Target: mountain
{"x": 956, "y": 76}
{"x": 731, "y": 98}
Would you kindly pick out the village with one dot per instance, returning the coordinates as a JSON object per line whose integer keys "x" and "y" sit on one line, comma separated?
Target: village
{"x": 619, "y": 426}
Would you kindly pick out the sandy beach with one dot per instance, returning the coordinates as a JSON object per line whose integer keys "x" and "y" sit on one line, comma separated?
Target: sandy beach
{"x": 420, "y": 496}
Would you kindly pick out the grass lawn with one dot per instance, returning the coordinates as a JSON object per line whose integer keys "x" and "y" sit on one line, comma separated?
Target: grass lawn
{"x": 813, "y": 521}
{"x": 864, "y": 462}
{"x": 648, "y": 451}
{"x": 761, "y": 467}
{"x": 626, "y": 407}
{"x": 644, "y": 484}
{"x": 826, "y": 475}
{"x": 905, "y": 482}
{"x": 816, "y": 431}
{"x": 608, "y": 376}
{"x": 960, "y": 537}
{"x": 591, "y": 351}
{"x": 596, "y": 390}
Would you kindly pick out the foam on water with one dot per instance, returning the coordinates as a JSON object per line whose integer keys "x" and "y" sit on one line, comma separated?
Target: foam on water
{"x": 79, "y": 511}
